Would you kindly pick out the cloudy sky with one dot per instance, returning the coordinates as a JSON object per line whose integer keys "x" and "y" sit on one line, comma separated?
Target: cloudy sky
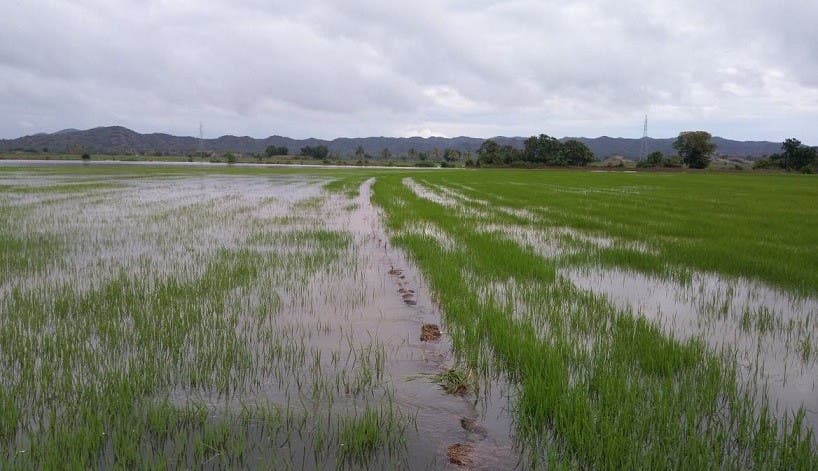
{"x": 743, "y": 69}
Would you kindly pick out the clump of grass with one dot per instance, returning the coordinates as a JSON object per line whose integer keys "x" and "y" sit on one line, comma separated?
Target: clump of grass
{"x": 457, "y": 380}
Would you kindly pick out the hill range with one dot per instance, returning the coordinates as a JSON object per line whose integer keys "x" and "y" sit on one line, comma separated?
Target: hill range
{"x": 121, "y": 140}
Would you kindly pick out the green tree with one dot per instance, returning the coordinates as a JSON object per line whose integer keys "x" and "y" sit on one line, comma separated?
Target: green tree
{"x": 575, "y": 152}
{"x": 695, "y": 148}
{"x": 451, "y": 155}
{"x": 489, "y": 153}
{"x": 316, "y": 152}
{"x": 386, "y": 154}
{"x": 797, "y": 156}
{"x": 509, "y": 155}
{"x": 543, "y": 149}
{"x": 360, "y": 152}
{"x": 276, "y": 150}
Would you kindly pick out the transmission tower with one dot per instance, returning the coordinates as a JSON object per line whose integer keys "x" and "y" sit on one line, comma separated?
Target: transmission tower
{"x": 201, "y": 141}
{"x": 644, "y": 144}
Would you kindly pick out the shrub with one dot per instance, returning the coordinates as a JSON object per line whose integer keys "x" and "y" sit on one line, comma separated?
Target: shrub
{"x": 654, "y": 159}
{"x": 673, "y": 162}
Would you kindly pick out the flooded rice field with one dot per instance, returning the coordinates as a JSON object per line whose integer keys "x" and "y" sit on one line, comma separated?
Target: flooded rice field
{"x": 224, "y": 321}
{"x": 178, "y": 318}
{"x": 613, "y": 309}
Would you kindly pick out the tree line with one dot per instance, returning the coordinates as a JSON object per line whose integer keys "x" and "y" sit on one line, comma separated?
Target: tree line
{"x": 694, "y": 148}
{"x": 794, "y": 156}
{"x": 537, "y": 150}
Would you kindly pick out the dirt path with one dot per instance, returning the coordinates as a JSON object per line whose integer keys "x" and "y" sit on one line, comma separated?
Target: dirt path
{"x": 402, "y": 316}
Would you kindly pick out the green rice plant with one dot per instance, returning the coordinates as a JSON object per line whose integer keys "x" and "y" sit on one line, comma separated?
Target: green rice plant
{"x": 362, "y": 435}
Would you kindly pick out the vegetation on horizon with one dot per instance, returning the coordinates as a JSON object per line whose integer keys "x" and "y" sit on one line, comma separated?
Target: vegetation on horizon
{"x": 543, "y": 150}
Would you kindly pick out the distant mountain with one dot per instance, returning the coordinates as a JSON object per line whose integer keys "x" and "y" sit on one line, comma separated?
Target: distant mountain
{"x": 609, "y": 146}
{"x": 120, "y": 140}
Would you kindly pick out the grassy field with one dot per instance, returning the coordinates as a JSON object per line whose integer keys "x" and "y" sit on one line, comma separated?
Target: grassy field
{"x": 160, "y": 317}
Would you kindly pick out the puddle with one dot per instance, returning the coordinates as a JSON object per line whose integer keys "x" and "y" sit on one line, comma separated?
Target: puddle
{"x": 150, "y": 224}
{"x": 545, "y": 244}
{"x": 554, "y": 242}
{"x": 772, "y": 335}
{"x": 424, "y": 192}
{"x": 431, "y": 231}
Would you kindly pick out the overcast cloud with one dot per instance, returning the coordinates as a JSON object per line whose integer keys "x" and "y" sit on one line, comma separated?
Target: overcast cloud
{"x": 743, "y": 69}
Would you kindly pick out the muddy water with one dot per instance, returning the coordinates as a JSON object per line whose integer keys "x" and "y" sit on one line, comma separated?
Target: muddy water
{"x": 398, "y": 321}
{"x": 162, "y": 227}
{"x": 772, "y": 335}
{"x": 378, "y": 300}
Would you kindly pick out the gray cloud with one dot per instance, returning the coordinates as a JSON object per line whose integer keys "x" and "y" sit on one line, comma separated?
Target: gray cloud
{"x": 740, "y": 68}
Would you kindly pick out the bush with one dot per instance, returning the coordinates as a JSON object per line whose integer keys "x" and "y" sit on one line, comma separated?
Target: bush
{"x": 276, "y": 150}
{"x": 316, "y": 152}
{"x": 654, "y": 159}
{"x": 761, "y": 164}
{"x": 231, "y": 159}
{"x": 86, "y": 156}
{"x": 673, "y": 162}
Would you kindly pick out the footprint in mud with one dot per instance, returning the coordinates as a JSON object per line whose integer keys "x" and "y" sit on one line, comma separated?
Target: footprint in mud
{"x": 474, "y": 428}
{"x": 406, "y": 294}
{"x": 459, "y": 454}
{"x": 482, "y": 455}
{"x": 429, "y": 332}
